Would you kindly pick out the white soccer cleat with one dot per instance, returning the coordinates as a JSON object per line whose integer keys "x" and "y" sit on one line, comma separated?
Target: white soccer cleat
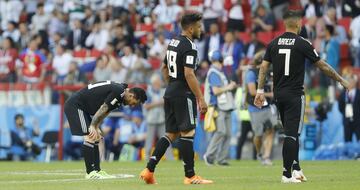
{"x": 292, "y": 179}
{"x": 299, "y": 175}
{"x": 94, "y": 175}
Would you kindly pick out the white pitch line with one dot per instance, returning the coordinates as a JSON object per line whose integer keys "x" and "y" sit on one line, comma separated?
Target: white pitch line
{"x": 118, "y": 176}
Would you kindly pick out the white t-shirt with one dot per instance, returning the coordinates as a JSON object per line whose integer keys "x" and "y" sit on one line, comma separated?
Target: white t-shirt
{"x": 61, "y": 63}
{"x": 236, "y": 13}
{"x": 166, "y": 14}
{"x": 355, "y": 30}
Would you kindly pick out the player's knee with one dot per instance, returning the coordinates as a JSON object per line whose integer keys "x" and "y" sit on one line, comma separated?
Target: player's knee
{"x": 190, "y": 133}
{"x": 172, "y": 136}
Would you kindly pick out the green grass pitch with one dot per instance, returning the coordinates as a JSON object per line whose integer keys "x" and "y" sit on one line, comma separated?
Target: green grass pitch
{"x": 240, "y": 175}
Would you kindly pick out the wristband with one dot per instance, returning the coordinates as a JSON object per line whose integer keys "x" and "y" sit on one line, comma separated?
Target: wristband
{"x": 260, "y": 91}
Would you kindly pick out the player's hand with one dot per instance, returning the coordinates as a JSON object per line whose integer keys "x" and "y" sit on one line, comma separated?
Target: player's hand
{"x": 345, "y": 84}
{"x": 94, "y": 133}
{"x": 202, "y": 105}
{"x": 259, "y": 100}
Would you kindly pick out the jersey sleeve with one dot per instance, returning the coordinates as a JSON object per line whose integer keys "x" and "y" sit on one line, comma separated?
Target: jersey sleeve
{"x": 309, "y": 51}
{"x": 114, "y": 99}
{"x": 189, "y": 58}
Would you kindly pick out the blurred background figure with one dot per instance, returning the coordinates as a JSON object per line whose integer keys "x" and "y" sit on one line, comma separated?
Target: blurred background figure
{"x": 155, "y": 116}
{"x": 218, "y": 95}
{"x": 349, "y": 106}
{"x": 23, "y": 146}
{"x": 262, "y": 120}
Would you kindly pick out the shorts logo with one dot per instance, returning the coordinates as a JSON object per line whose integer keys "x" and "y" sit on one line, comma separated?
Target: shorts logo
{"x": 113, "y": 102}
{"x": 190, "y": 59}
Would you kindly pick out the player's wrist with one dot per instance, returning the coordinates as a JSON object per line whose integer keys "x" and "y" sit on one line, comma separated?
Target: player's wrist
{"x": 260, "y": 91}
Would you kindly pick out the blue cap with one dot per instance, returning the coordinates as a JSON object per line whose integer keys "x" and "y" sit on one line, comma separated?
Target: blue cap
{"x": 215, "y": 56}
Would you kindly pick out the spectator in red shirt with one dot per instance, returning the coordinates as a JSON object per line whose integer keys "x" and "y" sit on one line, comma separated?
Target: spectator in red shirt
{"x": 33, "y": 61}
{"x": 8, "y": 56}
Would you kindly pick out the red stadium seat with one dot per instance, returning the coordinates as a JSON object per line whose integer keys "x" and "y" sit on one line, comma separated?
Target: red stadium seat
{"x": 154, "y": 62}
{"x": 345, "y": 22}
{"x": 265, "y": 37}
{"x": 145, "y": 27}
{"x": 4, "y": 86}
{"x": 344, "y": 51}
{"x": 244, "y": 37}
{"x": 80, "y": 53}
{"x": 280, "y": 25}
{"x": 19, "y": 86}
{"x": 168, "y": 27}
{"x": 95, "y": 53}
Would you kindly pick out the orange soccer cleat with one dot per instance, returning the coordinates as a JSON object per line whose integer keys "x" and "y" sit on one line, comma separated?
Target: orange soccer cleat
{"x": 196, "y": 180}
{"x": 148, "y": 176}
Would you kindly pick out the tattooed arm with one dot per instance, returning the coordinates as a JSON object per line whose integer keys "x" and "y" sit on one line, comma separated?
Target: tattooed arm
{"x": 100, "y": 115}
{"x": 94, "y": 129}
{"x": 330, "y": 72}
{"x": 260, "y": 97}
{"x": 262, "y": 74}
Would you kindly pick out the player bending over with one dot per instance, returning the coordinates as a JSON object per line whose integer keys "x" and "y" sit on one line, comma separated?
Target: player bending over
{"x": 87, "y": 108}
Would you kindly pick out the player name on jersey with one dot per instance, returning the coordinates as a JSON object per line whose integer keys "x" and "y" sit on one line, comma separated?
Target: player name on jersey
{"x": 286, "y": 41}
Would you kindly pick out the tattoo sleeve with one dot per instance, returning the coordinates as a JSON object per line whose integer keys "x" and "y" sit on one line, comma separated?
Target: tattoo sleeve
{"x": 328, "y": 70}
{"x": 100, "y": 115}
{"x": 262, "y": 74}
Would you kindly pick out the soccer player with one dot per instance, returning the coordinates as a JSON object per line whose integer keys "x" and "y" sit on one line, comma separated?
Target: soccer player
{"x": 180, "y": 100}
{"x": 287, "y": 54}
{"x": 87, "y": 108}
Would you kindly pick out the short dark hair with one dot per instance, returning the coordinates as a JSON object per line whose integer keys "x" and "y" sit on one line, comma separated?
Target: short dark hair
{"x": 139, "y": 93}
{"x": 190, "y": 18}
{"x": 330, "y": 28}
{"x": 292, "y": 14}
{"x": 19, "y": 115}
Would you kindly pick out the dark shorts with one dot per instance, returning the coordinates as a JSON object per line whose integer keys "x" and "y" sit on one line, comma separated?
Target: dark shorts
{"x": 291, "y": 110}
{"x": 180, "y": 114}
{"x": 79, "y": 120}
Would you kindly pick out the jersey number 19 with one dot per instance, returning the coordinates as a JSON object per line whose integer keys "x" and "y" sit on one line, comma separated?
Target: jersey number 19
{"x": 287, "y": 53}
{"x": 171, "y": 59}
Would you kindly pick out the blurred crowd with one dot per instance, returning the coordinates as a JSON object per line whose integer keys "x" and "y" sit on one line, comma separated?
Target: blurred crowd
{"x": 80, "y": 41}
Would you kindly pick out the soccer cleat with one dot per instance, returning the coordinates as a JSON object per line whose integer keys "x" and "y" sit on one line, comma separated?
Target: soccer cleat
{"x": 266, "y": 162}
{"x": 208, "y": 161}
{"x": 299, "y": 175}
{"x": 196, "y": 180}
{"x": 106, "y": 175}
{"x": 94, "y": 175}
{"x": 148, "y": 176}
{"x": 292, "y": 179}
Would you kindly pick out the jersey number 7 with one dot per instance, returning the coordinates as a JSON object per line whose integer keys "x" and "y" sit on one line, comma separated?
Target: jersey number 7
{"x": 171, "y": 59}
{"x": 287, "y": 53}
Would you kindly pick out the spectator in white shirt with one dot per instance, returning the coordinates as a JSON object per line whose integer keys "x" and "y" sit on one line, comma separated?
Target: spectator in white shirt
{"x": 236, "y": 17}
{"x": 214, "y": 9}
{"x": 61, "y": 62}
{"x": 10, "y": 10}
{"x": 40, "y": 20}
{"x": 98, "y": 38}
{"x": 12, "y": 32}
{"x": 166, "y": 14}
{"x": 102, "y": 70}
{"x": 159, "y": 48}
{"x": 354, "y": 33}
